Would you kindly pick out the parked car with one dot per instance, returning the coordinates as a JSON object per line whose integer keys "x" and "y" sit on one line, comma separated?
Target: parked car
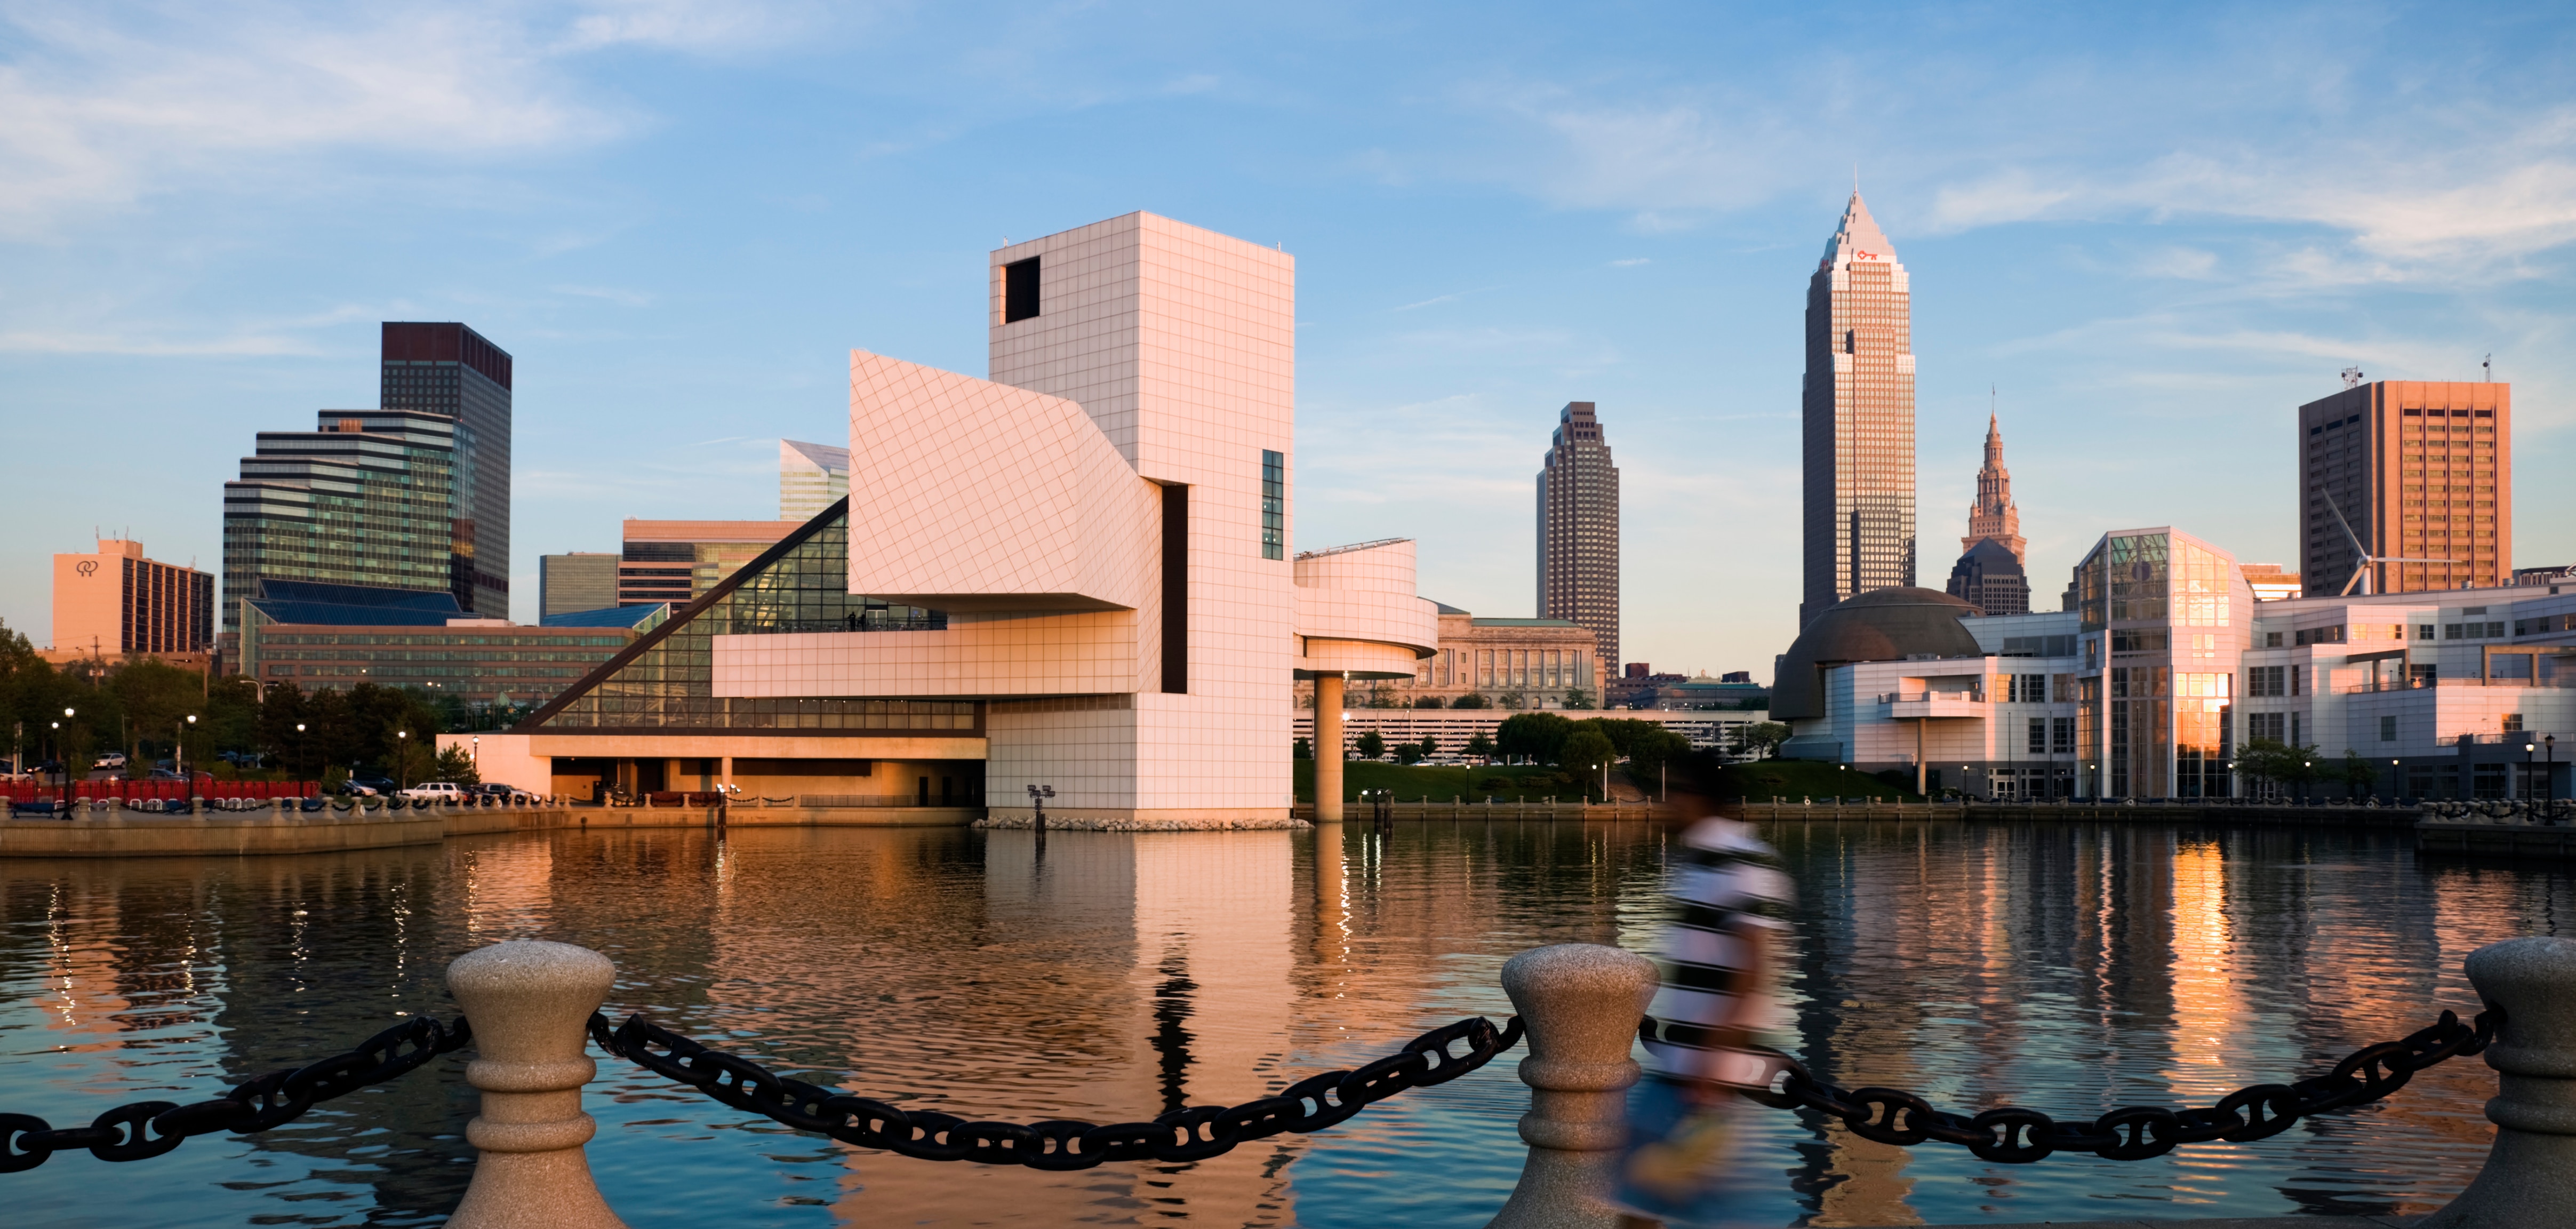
{"x": 434, "y": 791}
{"x": 374, "y": 785}
{"x": 113, "y": 759}
{"x": 510, "y": 794}
{"x": 164, "y": 774}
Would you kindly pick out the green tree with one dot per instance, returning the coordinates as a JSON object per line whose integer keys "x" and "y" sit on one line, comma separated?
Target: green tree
{"x": 1430, "y": 746}
{"x": 2359, "y": 776}
{"x": 1478, "y": 744}
{"x": 1426, "y": 701}
{"x": 1538, "y": 737}
{"x": 1586, "y": 752}
{"x": 1761, "y": 738}
{"x": 455, "y": 764}
{"x": 2281, "y": 764}
{"x": 1408, "y": 753}
{"x": 1577, "y": 698}
{"x": 1371, "y": 744}
{"x": 1301, "y": 749}
{"x": 1473, "y": 699}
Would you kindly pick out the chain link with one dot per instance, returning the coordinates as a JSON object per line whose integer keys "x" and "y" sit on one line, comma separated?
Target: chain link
{"x": 141, "y": 1129}
{"x": 2014, "y": 1135}
{"x": 1192, "y": 1134}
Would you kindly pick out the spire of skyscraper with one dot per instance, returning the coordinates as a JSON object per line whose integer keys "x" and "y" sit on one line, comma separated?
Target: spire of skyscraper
{"x": 1993, "y": 514}
{"x": 1858, "y": 407}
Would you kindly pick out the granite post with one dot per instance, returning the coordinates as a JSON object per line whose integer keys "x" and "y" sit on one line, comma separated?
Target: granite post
{"x": 1581, "y": 1004}
{"x": 530, "y": 1003}
{"x": 2529, "y": 1181}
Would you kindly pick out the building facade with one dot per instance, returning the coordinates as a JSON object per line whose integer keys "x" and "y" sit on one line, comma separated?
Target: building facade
{"x": 2421, "y": 473}
{"x": 1097, "y": 538}
{"x": 326, "y": 636}
{"x": 1578, "y": 530}
{"x": 451, "y": 371}
{"x": 1993, "y": 514}
{"x": 679, "y": 561}
{"x": 811, "y": 477}
{"x": 581, "y": 580}
{"x": 116, "y": 604}
{"x": 1857, "y": 405}
{"x": 1990, "y": 578}
{"x": 363, "y": 499}
{"x": 1510, "y": 664}
{"x": 2169, "y": 667}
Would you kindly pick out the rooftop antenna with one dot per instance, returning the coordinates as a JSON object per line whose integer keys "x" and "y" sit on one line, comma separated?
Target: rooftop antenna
{"x": 2489, "y": 364}
{"x": 2352, "y": 377}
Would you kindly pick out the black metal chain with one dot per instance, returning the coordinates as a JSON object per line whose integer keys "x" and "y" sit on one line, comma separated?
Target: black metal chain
{"x": 2014, "y": 1135}
{"x": 141, "y": 1129}
{"x": 1192, "y": 1134}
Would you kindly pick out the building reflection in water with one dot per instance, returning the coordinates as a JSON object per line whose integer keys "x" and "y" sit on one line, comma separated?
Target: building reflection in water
{"x": 1110, "y": 977}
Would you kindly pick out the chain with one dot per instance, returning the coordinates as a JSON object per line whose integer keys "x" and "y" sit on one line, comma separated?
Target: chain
{"x": 143, "y": 1129}
{"x": 1192, "y": 1134}
{"x": 2014, "y": 1135}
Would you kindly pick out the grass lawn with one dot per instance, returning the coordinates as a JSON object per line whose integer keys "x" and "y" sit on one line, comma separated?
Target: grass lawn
{"x": 1762, "y": 780}
{"x": 1409, "y": 782}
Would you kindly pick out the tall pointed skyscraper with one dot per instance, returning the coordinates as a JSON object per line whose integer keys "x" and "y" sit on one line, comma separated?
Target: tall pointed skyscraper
{"x": 1858, "y": 403}
{"x": 1993, "y": 515}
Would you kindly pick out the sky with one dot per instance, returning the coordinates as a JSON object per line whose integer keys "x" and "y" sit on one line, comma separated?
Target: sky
{"x": 2142, "y": 235}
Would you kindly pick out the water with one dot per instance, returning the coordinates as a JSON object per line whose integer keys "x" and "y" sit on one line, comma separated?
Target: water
{"x": 2068, "y": 968}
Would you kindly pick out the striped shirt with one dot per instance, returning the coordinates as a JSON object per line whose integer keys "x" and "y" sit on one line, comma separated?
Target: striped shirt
{"x": 1724, "y": 880}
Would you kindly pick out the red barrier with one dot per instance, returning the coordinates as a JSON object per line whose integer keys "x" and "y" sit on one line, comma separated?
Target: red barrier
{"x": 176, "y": 791}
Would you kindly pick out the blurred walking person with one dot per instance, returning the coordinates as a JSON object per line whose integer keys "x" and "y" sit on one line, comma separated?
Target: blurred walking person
{"x": 1729, "y": 917}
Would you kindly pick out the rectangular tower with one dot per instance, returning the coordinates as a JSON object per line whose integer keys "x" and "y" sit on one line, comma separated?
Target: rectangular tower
{"x": 364, "y": 499}
{"x": 581, "y": 580}
{"x": 117, "y": 601}
{"x": 449, "y": 370}
{"x": 1858, "y": 406}
{"x": 1180, "y": 344}
{"x": 2420, "y": 470}
{"x": 1578, "y": 529}
{"x": 811, "y": 477}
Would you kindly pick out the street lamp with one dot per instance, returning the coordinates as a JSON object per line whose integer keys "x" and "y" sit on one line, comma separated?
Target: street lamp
{"x": 402, "y": 760}
{"x": 2527, "y": 749}
{"x": 2549, "y": 777}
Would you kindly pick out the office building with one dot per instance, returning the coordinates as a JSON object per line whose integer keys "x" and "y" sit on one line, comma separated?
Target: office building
{"x": 811, "y": 477}
{"x": 116, "y": 605}
{"x": 2271, "y": 584}
{"x": 325, "y": 636}
{"x": 2422, "y": 474}
{"x": 450, "y": 370}
{"x": 581, "y": 580}
{"x": 1993, "y": 515}
{"x": 1097, "y": 538}
{"x": 1990, "y": 578}
{"x": 1578, "y": 530}
{"x": 1506, "y": 663}
{"x": 2169, "y": 666}
{"x": 363, "y": 499}
{"x": 1858, "y": 409}
{"x": 679, "y": 561}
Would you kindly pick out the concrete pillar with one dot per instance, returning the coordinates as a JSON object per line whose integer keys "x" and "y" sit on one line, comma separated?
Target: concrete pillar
{"x": 2530, "y": 1176}
{"x": 1328, "y": 748}
{"x": 1580, "y": 1003}
{"x": 530, "y": 1003}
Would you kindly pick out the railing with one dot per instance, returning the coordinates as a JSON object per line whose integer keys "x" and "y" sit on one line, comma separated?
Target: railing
{"x": 872, "y": 621}
{"x": 1974, "y": 695}
{"x": 2556, "y": 682}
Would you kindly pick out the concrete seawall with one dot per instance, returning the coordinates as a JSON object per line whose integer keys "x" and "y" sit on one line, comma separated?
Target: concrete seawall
{"x": 127, "y": 834}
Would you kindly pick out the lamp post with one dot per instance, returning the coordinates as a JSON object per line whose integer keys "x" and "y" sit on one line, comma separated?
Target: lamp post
{"x": 179, "y": 754}
{"x": 2396, "y": 783}
{"x": 299, "y": 745}
{"x": 1038, "y": 794}
{"x": 402, "y": 760}
{"x": 2527, "y": 749}
{"x": 2549, "y": 776}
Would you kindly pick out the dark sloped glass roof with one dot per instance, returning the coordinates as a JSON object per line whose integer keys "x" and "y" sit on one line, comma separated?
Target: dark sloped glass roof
{"x": 321, "y": 602}
{"x": 613, "y": 616}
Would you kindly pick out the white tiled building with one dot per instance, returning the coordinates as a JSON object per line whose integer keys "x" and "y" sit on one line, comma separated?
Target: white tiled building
{"x": 2169, "y": 664}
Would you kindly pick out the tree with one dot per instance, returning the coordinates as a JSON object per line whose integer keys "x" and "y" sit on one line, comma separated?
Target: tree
{"x": 1516, "y": 699}
{"x": 1577, "y": 698}
{"x": 1586, "y": 752}
{"x": 1371, "y": 744}
{"x": 1408, "y": 753}
{"x": 2359, "y": 776}
{"x": 1301, "y": 750}
{"x": 1473, "y": 699}
{"x": 1478, "y": 744}
{"x": 1426, "y": 701}
{"x": 1761, "y": 738}
{"x": 454, "y": 763}
{"x": 1430, "y": 746}
{"x": 2279, "y": 763}
{"x": 1538, "y": 737}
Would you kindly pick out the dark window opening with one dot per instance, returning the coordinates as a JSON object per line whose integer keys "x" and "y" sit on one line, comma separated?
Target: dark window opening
{"x": 922, "y": 798}
{"x": 1176, "y": 590}
{"x": 1019, "y": 290}
{"x": 1274, "y": 505}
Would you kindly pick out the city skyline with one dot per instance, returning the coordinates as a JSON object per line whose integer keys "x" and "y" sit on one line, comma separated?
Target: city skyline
{"x": 666, "y": 223}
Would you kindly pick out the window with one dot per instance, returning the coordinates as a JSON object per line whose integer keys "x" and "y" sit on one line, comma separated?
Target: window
{"x": 2265, "y": 680}
{"x": 1019, "y": 290}
{"x": 2061, "y": 735}
{"x": 2027, "y": 689}
{"x": 2039, "y": 736}
{"x": 2388, "y": 729}
{"x": 2513, "y": 723}
{"x": 2298, "y": 680}
{"x": 1274, "y": 504}
{"x": 2274, "y": 726}
{"x": 2423, "y": 631}
{"x": 2271, "y": 640}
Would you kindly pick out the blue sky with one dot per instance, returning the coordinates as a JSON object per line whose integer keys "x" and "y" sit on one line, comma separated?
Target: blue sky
{"x": 2154, "y": 231}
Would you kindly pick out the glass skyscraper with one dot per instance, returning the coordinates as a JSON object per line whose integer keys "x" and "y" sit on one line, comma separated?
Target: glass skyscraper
{"x": 449, "y": 370}
{"x": 364, "y": 499}
{"x": 1858, "y": 406}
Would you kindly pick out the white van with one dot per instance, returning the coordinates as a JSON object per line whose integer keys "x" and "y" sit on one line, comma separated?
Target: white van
{"x": 434, "y": 791}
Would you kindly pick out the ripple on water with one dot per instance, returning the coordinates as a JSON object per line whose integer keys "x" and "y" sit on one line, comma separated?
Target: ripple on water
{"x": 2071, "y": 969}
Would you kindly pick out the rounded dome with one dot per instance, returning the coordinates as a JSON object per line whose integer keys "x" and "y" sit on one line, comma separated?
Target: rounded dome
{"x": 1880, "y": 625}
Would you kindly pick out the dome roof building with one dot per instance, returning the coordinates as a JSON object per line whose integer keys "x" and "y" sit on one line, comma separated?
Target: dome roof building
{"x": 1893, "y": 624}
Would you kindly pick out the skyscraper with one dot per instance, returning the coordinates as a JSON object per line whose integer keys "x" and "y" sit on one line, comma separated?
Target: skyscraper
{"x": 1993, "y": 515}
{"x": 1858, "y": 406}
{"x": 811, "y": 477}
{"x": 577, "y": 581}
{"x": 1578, "y": 529}
{"x": 364, "y": 499}
{"x": 450, "y": 370}
{"x": 2420, "y": 470}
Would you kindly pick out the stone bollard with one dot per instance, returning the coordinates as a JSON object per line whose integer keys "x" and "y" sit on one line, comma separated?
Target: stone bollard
{"x": 1581, "y": 1004}
{"x": 2529, "y": 1180}
{"x": 530, "y": 1003}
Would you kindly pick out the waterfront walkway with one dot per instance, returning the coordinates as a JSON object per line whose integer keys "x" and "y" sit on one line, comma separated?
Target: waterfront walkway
{"x": 117, "y": 833}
